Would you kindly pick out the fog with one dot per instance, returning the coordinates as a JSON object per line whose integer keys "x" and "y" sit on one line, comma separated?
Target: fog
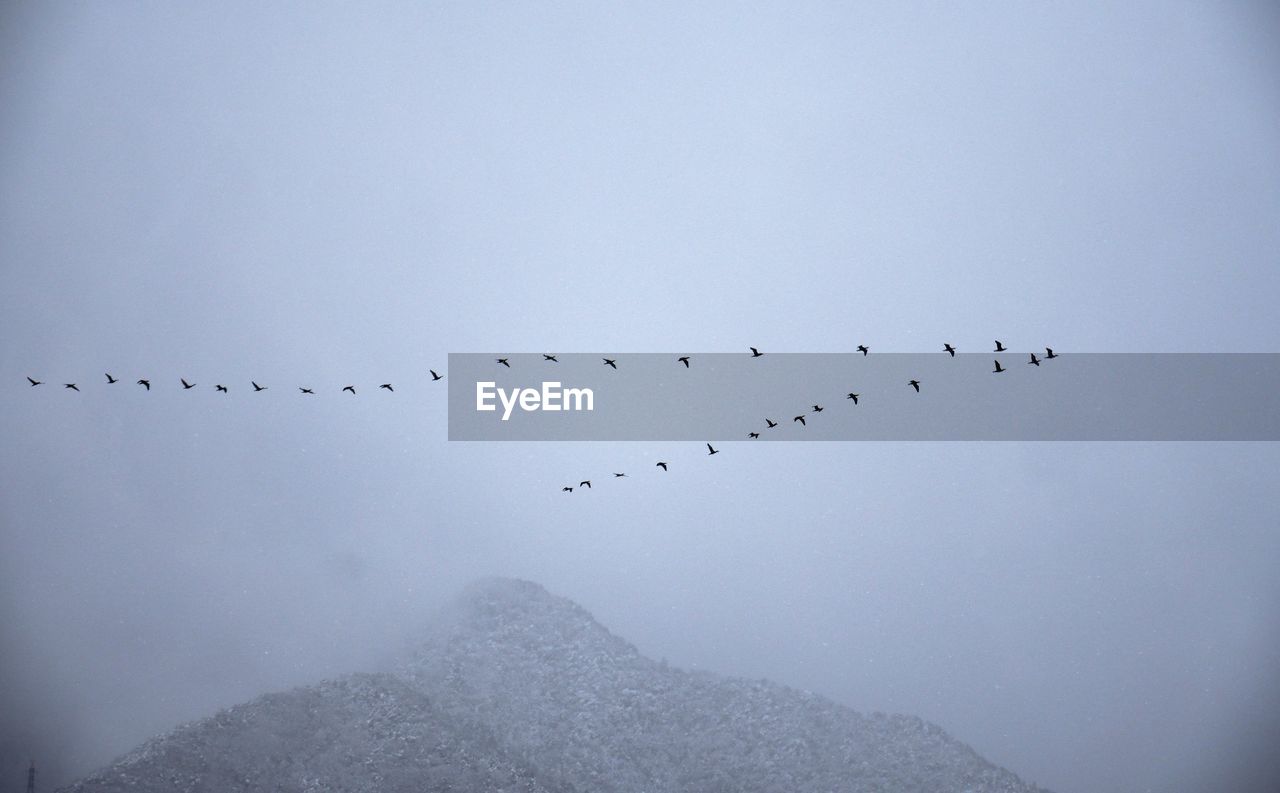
{"x": 338, "y": 194}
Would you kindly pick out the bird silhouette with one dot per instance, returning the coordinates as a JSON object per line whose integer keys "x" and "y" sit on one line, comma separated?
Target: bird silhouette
{"x": 546, "y": 357}
{"x": 753, "y": 435}
{"x": 915, "y": 384}
{"x": 567, "y": 489}
{"x": 619, "y": 476}
{"x": 1034, "y": 359}
{"x": 999, "y": 346}
{"x": 585, "y": 483}
{"x": 72, "y": 386}
{"x": 504, "y": 362}
{"x": 305, "y": 390}
{"x": 34, "y": 382}
{"x": 862, "y": 348}
{"x": 817, "y": 408}
{"x": 998, "y": 368}
{"x": 663, "y": 466}
{"x": 257, "y": 387}
{"x": 1049, "y": 353}
{"x": 712, "y": 450}
{"x": 799, "y": 419}
{"x": 610, "y": 362}
{"x": 854, "y": 397}
{"x": 350, "y": 388}
{"x": 684, "y": 359}
{"x": 755, "y": 353}
{"x": 771, "y": 424}
{"x": 388, "y": 387}
{"x": 110, "y": 379}
{"x": 221, "y": 388}
{"x": 434, "y": 376}
{"x": 186, "y": 386}
{"x": 950, "y": 349}
{"x": 146, "y": 383}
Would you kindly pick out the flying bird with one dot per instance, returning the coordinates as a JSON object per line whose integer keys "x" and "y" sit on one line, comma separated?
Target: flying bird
{"x": 504, "y": 362}
{"x": 753, "y": 435}
{"x": 862, "y": 348}
{"x": 546, "y": 357}
{"x": 684, "y": 359}
{"x": 998, "y": 368}
{"x": 34, "y": 382}
{"x": 257, "y": 387}
{"x": 146, "y": 383}
{"x": 585, "y": 483}
{"x": 771, "y": 423}
{"x": 801, "y": 420}
{"x": 999, "y": 346}
{"x": 619, "y": 476}
{"x": 1049, "y": 353}
{"x": 854, "y": 397}
{"x": 350, "y": 388}
{"x": 755, "y": 353}
{"x": 72, "y": 386}
{"x": 610, "y": 362}
{"x": 434, "y": 376}
{"x": 110, "y": 379}
{"x": 305, "y": 390}
{"x": 915, "y": 384}
{"x": 185, "y": 385}
{"x": 1034, "y": 359}
{"x": 221, "y": 388}
{"x": 663, "y": 466}
{"x": 712, "y": 450}
{"x": 567, "y": 489}
{"x": 388, "y": 387}
{"x": 950, "y": 349}
{"x": 817, "y": 408}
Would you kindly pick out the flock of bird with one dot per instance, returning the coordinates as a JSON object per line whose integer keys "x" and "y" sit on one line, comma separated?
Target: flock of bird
{"x": 1035, "y": 360}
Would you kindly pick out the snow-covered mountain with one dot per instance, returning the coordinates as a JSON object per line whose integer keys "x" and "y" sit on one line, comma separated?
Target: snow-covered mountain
{"x": 515, "y": 689}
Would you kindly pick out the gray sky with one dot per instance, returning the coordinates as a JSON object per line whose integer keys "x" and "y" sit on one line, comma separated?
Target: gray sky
{"x": 338, "y": 194}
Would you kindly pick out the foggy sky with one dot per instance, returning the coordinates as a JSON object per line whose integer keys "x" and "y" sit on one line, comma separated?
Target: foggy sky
{"x": 337, "y": 194}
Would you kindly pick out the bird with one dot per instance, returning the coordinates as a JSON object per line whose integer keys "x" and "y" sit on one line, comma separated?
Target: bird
{"x": 817, "y": 408}
{"x": 854, "y": 397}
{"x": 350, "y": 388}
{"x": 771, "y": 424}
{"x": 684, "y": 359}
{"x": 257, "y": 387}
{"x": 388, "y": 387}
{"x": 610, "y": 362}
{"x": 999, "y": 346}
{"x": 146, "y": 383}
{"x": 950, "y": 349}
{"x": 753, "y": 435}
{"x": 221, "y": 388}
{"x": 504, "y": 362}
{"x": 801, "y": 420}
{"x": 1034, "y": 359}
{"x": 915, "y": 384}
{"x": 567, "y": 489}
{"x": 434, "y": 376}
{"x": 712, "y": 450}
{"x": 585, "y": 483}
{"x": 185, "y": 385}
{"x": 862, "y": 348}
{"x": 34, "y": 382}
{"x": 755, "y": 353}
{"x": 110, "y": 379}
{"x": 305, "y": 390}
{"x": 619, "y": 476}
{"x": 1049, "y": 353}
{"x": 998, "y": 368}
{"x": 546, "y": 357}
{"x": 663, "y": 466}
{"x": 72, "y": 386}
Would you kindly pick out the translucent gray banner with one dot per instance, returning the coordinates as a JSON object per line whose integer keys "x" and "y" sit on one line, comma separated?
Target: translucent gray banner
{"x": 724, "y": 397}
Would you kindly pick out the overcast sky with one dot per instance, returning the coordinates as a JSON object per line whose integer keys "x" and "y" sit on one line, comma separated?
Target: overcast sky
{"x": 342, "y": 193}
